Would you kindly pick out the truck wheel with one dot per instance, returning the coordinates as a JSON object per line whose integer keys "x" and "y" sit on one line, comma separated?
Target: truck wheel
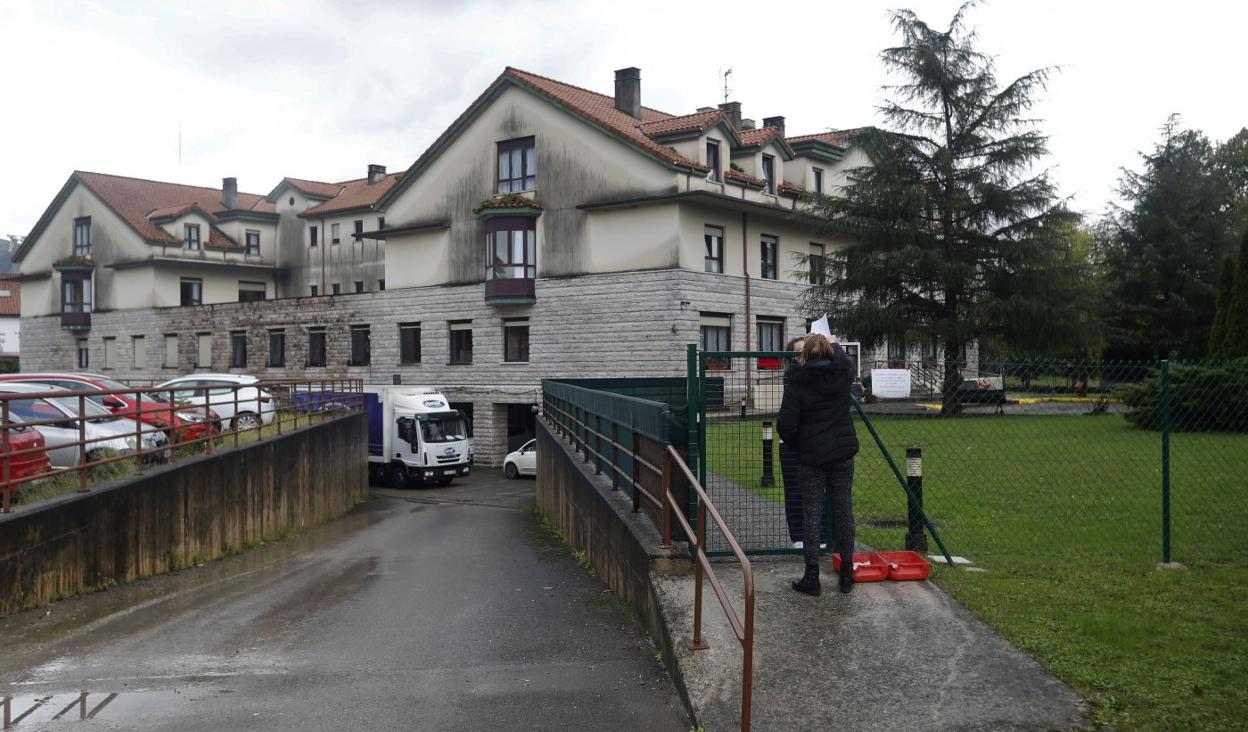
{"x": 399, "y": 476}
{"x": 511, "y": 471}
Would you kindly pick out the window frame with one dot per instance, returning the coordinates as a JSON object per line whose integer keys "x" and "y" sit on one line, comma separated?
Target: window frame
{"x": 457, "y": 327}
{"x": 238, "y": 349}
{"x": 708, "y": 257}
{"x": 765, "y": 264}
{"x": 248, "y": 250}
{"x": 280, "y": 335}
{"x": 357, "y": 229}
{"x": 315, "y": 333}
{"x": 334, "y": 233}
{"x": 816, "y": 182}
{"x": 521, "y": 354}
{"x": 762, "y": 322}
{"x": 82, "y": 231}
{"x": 511, "y": 225}
{"x": 83, "y": 353}
{"x": 712, "y": 161}
{"x": 710, "y": 324}
{"x": 528, "y": 157}
{"x": 359, "y": 286}
{"x": 818, "y": 263}
{"x": 190, "y": 244}
{"x": 769, "y": 173}
{"x": 171, "y": 338}
{"x": 409, "y": 353}
{"x": 198, "y": 284}
{"x": 110, "y": 363}
{"x": 138, "y": 351}
{"x": 81, "y": 289}
{"x": 256, "y": 288}
{"x": 313, "y": 234}
{"x": 361, "y": 347}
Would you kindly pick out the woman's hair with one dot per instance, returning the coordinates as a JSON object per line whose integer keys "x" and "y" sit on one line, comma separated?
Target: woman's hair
{"x": 817, "y": 346}
{"x": 793, "y": 342}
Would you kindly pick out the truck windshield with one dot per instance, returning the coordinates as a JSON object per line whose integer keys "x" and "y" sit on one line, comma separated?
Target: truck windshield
{"x": 442, "y": 428}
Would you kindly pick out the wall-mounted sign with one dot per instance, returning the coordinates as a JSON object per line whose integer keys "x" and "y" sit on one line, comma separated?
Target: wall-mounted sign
{"x": 890, "y": 383}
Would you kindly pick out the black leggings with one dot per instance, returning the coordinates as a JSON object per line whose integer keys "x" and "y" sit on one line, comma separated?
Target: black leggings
{"x": 838, "y": 480}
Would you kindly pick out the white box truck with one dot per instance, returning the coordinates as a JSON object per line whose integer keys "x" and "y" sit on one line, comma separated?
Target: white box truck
{"x": 414, "y": 437}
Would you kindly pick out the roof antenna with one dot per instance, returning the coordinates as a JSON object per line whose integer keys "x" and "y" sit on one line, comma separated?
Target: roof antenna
{"x": 725, "y": 74}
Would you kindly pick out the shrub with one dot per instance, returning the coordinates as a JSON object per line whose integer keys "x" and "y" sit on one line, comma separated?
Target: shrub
{"x": 1202, "y": 398}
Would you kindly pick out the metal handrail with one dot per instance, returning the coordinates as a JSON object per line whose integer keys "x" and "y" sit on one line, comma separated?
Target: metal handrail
{"x": 742, "y": 628}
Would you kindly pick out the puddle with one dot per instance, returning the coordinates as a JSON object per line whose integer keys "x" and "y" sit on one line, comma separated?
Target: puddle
{"x": 65, "y": 710}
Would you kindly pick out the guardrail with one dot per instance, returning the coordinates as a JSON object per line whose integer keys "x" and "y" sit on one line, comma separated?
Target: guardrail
{"x": 49, "y": 437}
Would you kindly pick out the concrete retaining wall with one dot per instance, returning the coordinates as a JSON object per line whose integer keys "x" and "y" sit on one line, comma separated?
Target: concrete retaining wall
{"x": 622, "y": 546}
{"x": 173, "y": 516}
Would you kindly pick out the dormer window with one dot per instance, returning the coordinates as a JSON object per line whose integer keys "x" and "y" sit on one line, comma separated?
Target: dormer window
{"x": 82, "y": 237}
{"x": 769, "y": 173}
{"x": 517, "y": 166}
{"x": 190, "y": 237}
{"x": 712, "y": 160}
{"x": 816, "y": 180}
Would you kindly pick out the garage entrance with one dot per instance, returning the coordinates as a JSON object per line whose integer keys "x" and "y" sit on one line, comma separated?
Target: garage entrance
{"x": 521, "y": 425}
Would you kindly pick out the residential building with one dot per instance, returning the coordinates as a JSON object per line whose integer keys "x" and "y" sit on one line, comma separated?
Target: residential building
{"x": 10, "y": 319}
{"x": 550, "y": 231}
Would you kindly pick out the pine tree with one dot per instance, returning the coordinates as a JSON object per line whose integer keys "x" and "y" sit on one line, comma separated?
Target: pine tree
{"x": 1236, "y": 339}
{"x": 1226, "y": 287}
{"x": 951, "y": 237}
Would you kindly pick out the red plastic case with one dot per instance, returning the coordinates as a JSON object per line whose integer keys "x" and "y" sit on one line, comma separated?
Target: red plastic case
{"x": 905, "y": 566}
{"x": 869, "y": 566}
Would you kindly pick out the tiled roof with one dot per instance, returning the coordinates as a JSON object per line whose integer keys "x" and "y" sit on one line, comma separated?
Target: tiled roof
{"x": 12, "y": 303}
{"x": 316, "y": 188}
{"x": 743, "y": 178}
{"x": 600, "y": 109}
{"x": 174, "y": 211}
{"x": 358, "y": 193}
{"x": 695, "y": 122}
{"x": 839, "y": 138}
{"x": 761, "y": 136}
{"x": 791, "y": 189}
{"x": 133, "y": 199}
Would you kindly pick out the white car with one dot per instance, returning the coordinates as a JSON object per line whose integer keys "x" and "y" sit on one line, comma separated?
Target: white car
{"x": 522, "y": 461}
{"x": 102, "y": 429}
{"x": 216, "y": 391}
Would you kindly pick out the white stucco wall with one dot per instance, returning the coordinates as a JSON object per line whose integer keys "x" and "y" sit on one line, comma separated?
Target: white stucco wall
{"x": 10, "y": 334}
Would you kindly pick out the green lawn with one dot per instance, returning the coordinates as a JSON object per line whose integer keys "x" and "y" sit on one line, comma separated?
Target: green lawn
{"x": 1064, "y": 514}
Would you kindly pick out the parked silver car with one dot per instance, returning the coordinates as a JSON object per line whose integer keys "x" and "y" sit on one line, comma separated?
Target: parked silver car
{"x": 105, "y": 430}
{"x": 223, "y": 393}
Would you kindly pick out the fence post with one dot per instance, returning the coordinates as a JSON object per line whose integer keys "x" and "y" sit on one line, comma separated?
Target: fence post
{"x": 768, "y": 479}
{"x": 8, "y": 457}
{"x": 635, "y": 471}
{"x": 1165, "y": 461}
{"x": 598, "y": 442}
{"x": 138, "y": 432}
{"x": 916, "y": 538}
{"x": 667, "y": 499}
{"x": 698, "y": 643}
{"x": 82, "y": 446}
{"x": 615, "y": 455}
{"x": 235, "y": 420}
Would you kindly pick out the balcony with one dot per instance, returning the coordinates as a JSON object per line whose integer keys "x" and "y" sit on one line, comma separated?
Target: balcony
{"x": 510, "y": 291}
{"x": 76, "y": 320}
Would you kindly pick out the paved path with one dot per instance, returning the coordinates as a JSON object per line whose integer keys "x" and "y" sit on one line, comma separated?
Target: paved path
{"x": 444, "y": 609}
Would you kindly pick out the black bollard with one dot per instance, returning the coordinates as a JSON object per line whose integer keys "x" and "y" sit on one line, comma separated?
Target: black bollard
{"x": 769, "y": 473}
{"x": 916, "y": 537}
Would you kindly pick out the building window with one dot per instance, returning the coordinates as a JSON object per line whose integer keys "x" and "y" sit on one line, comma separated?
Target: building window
{"x": 82, "y": 237}
{"x": 192, "y": 291}
{"x": 359, "y": 285}
{"x": 110, "y": 352}
{"x": 75, "y": 293}
{"x": 817, "y": 266}
{"x": 190, "y": 237}
{"x": 171, "y": 351}
{"x": 253, "y": 243}
{"x": 712, "y": 160}
{"x": 516, "y": 340}
{"x": 238, "y": 349}
{"x": 381, "y": 223}
{"x": 316, "y": 346}
{"x": 816, "y": 179}
{"x": 361, "y": 345}
{"x": 277, "y": 347}
{"x": 511, "y": 249}
{"x": 771, "y": 334}
{"x": 770, "y": 248}
{"x": 714, "y": 259}
{"x": 336, "y": 289}
{"x": 461, "y": 341}
{"x": 715, "y": 334}
{"x": 333, "y": 233}
{"x": 203, "y": 355}
{"x": 381, "y": 285}
{"x": 251, "y": 291}
{"x": 314, "y": 291}
{"x": 359, "y": 228}
{"x": 84, "y": 354}
{"x": 517, "y": 166}
{"x": 138, "y": 347}
{"x": 769, "y": 173}
{"x": 409, "y": 343}
{"x": 312, "y": 234}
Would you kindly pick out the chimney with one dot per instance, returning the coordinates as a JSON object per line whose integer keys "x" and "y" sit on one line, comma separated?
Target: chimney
{"x": 375, "y": 173}
{"x": 733, "y": 110}
{"x": 229, "y": 193}
{"x": 628, "y": 91}
{"x": 747, "y": 123}
{"x": 777, "y": 122}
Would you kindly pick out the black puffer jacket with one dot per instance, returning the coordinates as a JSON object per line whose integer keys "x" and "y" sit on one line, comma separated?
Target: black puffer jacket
{"x": 814, "y": 415}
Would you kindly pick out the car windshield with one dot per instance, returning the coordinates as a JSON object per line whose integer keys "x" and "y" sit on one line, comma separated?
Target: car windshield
{"x": 442, "y": 428}
{"x": 94, "y": 412}
{"x": 110, "y": 385}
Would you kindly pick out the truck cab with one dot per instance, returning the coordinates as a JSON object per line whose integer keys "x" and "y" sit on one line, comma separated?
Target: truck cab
{"x": 415, "y": 437}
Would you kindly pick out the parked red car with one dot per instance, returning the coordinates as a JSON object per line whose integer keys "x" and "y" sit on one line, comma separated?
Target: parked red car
{"x": 27, "y": 464}
{"x": 180, "y": 423}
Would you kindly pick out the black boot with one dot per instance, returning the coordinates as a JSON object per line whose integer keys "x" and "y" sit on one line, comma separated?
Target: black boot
{"x": 847, "y": 577}
{"x": 809, "y": 583}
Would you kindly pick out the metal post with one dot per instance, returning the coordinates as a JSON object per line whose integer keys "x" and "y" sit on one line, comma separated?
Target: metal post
{"x": 691, "y": 402}
{"x": 635, "y": 473}
{"x": 8, "y": 458}
{"x": 742, "y": 407}
{"x": 769, "y": 471}
{"x": 598, "y": 442}
{"x": 82, "y": 446}
{"x": 1165, "y": 461}
{"x": 235, "y": 414}
{"x": 916, "y": 537}
{"x": 138, "y": 433}
{"x": 667, "y": 500}
{"x": 615, "y": 455}
{"x": 698, "y": 643}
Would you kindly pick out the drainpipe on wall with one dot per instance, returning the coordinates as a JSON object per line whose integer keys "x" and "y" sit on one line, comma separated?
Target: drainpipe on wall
{"x": 325, "y": 242}
{"x": 745, "y": 270}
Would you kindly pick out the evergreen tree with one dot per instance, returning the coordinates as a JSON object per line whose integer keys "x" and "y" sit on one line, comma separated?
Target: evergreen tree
{"x": 1236, "y": 338}
{"x": 952, "y": 237}
{"x": 1217, "y": 333}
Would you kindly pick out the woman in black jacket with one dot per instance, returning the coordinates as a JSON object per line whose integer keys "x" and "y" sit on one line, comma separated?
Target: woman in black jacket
{"x": 814, "y": 417}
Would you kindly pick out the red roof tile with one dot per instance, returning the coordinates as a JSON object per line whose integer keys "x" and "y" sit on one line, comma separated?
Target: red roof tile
{"x": 316, "y": 188}
{"x": 839, "y": 138}
{"x": 10, "y": 304}
{"x": 358, "y": 193}
{"x": 760, "y": 136}
{"x": 695, "y": 122}
{"x": 743, "y": 178}
{"x": 175, "y": 211}
{"x": 134, "y": 198}
{"x": 600, "y": 109}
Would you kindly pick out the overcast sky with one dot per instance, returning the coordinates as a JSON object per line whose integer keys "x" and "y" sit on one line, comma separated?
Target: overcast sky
{"x": 320, "y": 89}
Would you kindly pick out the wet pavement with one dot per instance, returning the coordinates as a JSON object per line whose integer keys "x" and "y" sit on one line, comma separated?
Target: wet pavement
{"x": 429, "y": 609}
